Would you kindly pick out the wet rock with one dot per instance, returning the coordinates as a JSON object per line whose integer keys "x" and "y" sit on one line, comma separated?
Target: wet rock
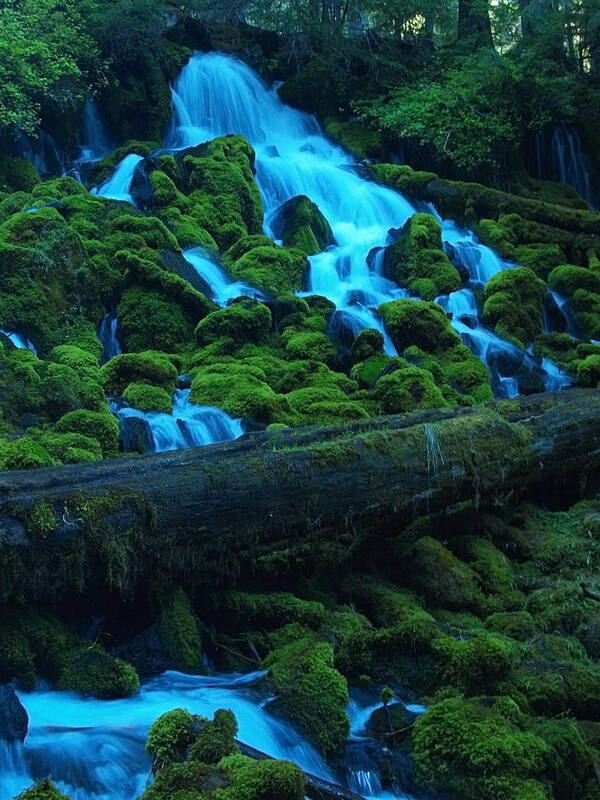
{"x": 14, "y": 720}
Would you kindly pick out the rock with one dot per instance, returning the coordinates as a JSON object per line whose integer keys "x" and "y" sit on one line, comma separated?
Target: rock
{"x": 379, "y": 722}
{"x": 300, "y": 223}
{"x": 14, "y": 720}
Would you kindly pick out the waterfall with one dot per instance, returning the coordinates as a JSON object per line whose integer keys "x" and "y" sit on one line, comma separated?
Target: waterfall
{"x": 20, "y": 341}
{"x": 571, "y": 165}
{"x": 188, "y": 425}
{"x": 118, "y": 186}
{"x": 95, "y": 143}
{"x": 221, "y": 288}
{"x": 216, "y": 95}
{"x": 108, "y": 337}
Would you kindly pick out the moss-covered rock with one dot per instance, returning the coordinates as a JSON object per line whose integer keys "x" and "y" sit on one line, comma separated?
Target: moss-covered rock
{"x": 407, "y": 389}
{"x": 243, "y": 321}
{"x": 148, "y": 398}
{"x": 92, "y": 671}
{"x": 299, "y": 223}
{"x": 417, "y": 260}
{"x": 18, "y": 175}
{"x": 150, "y": 367}
{"x": 179, "y": 631}
{"x": 412, "y": 322}
{"x": 148, "y": 321}
{"x": 311, "y": 690}
{"x": 513, "y": 304}
{"x": 42, "y": 790}
{"x": 99, "y": 425}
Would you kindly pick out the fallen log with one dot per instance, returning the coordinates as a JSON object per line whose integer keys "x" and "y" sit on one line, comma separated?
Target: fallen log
{"x": 110, "y": 522}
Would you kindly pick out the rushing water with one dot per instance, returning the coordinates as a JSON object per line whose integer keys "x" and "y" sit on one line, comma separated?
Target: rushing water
{"x": 217, "y": 95}
{"x": 20, "y": 341}
{"x": 188, "y": 425}
{"x": 118, "y": 186}
{"x": 94, "y": 749}
{"x": 107, "y": 334}
{"x": 221, "y": 288}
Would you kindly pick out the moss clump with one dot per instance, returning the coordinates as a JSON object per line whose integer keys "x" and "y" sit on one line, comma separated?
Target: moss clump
{"x": 433, "y": 570}
{"x": 402, "y": 177}
{"x": 42, "y": 790}
{"x": 475, "y": 664}
{"x": 426, "y": 325}
{"x": 518, "y": 625}
{"x": 99, "y": 425}
{"x": 367, "y": 344}
{"x": 92, "y": 671}
{"x": 148, "y": 321}
{"x": 417, "y": 260}
{"x": 149, "y": 366}
{"x": 244, "y": 321}
{"x": 311, "y": 690}
{"x": 42, "y": 520}
{"x": 407, "y": 389}
{"x": 299, "y": 223}
{"x": 271, "y": 610}
{"x": 356, "y": 137}
{"x": 148, "y": 398}
{"x": 264, "y": 780}
{"x": 513, "y": 304}
{"x": 179, "y": 631}
{"x": 276, "y": 270}
{"x": 309, "y": 345}
{"x": 240, "y": 390}
{"x": 492, "y": 753}
{"x": 18, "y": 175}
{"x": 169, "y": 737}
{"x": 216, "y": 738}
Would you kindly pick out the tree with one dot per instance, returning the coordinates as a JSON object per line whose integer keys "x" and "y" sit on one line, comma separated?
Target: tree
{"x": 474, "y": 22}
{"x": 45, "y": 56}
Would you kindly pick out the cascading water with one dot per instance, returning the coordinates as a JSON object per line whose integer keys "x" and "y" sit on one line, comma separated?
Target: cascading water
{"x": 19, "y": 341}
{"x": 188, "y": 425}
{"x": 217, "y": 95}
{"x": 118, "y": 186}
{"x": 222, "y": 288}
{"x": 95, "y": 143}
{"x": 108, "y": 337}
{"x": 94, "y": 749}
{"x": 571, "y": 165}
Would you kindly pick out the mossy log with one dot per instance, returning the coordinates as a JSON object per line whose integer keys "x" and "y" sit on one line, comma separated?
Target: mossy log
{"x": 117, "y": 523}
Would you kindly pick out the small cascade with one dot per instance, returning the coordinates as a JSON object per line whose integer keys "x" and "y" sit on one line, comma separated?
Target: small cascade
{"x": 222, "y": 288}
{"x": 477, "y": 262}
{"x": 108, "y": 337}
{"x": 20, "y": 341}
{"x": 571, "y": 165}
{"x": 512, "y": 370}
{"x": 95, "y": 143}
{"x": 118, "y": 186}
{"x": 561, "y": 305}
{"x": 94, "y": 749}
{"x": 188, "y": 425}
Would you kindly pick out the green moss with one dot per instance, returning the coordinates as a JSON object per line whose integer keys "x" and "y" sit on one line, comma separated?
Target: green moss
{"x": 513, "y": 304}
{"x": 418, "y": 261}
{"x": 440, "y": 576}
{"x": 262, "y": 780}
{"x": 244, "y": 321}
{"x": 486, "y": 742}
{"x": 239, "y": 390}
{"x": 99, "y": 425}
{"x": 308, "y": 345}
{"x": 474, "y": 664}
{"x": 407, "y": 389}
{"x": 148, "y": 398}
{"x": 18, "y": 175}
{"x": 412, "y": 322}
{"x": 276, "y": 270}
{"x": 42, "y": 520}
{"x": 216, "y": 738}
{"x": 180, "y": 632}
{"x": 42, "y": 790}
{"x": 69, "y": 448}
{"x": 518, "y": 625}
{"x": 169, "y": 737}
{"x": 367, "y": 344}
{"x": 92, "y": 671}
{"x": 311, "y": 690}
{"x": 402, "y": 177}
{"x": 299, "y": 223}
{"x": 24, "y": 453}
{"x": 107, "y": 166}
{"x": 269, "y": 611}
{"x": 147, "y": 321}
{"x": 147, "y": 367}
{"x": 567, "y": 279}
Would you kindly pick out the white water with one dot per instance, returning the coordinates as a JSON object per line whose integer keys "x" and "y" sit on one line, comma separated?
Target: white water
{"x": 94, "y": 749}
{"x": 118, "y": 186}
{"x": 571, "y": 163}
{"x": 217, "y": 95}
{"x": 189, "y": 425}
{"x": 108, "y": 337}
{"x": 95, "y": 143}
{"x": 223, "y": 289}
{"x": 20, "y": 341}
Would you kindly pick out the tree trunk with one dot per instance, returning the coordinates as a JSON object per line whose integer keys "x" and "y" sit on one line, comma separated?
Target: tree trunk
{"x": 122, "y": 522}
{"x": 474, "y": 22}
